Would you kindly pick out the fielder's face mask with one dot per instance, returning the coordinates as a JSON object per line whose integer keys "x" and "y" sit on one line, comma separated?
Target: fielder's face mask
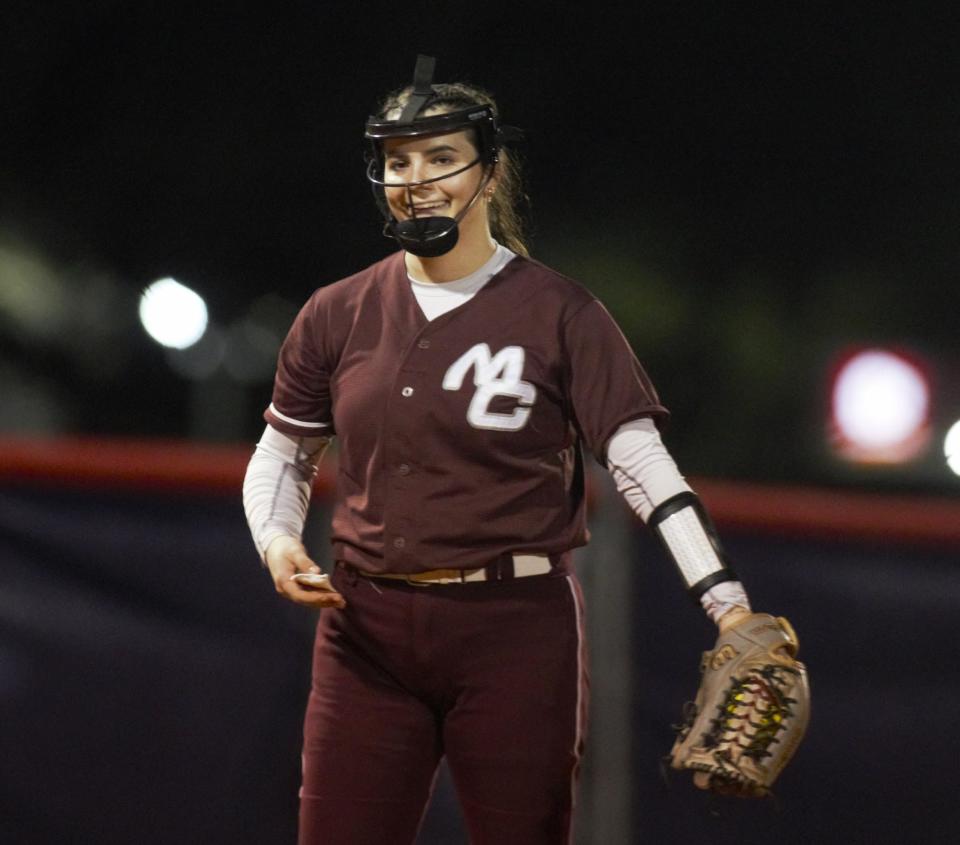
{"x": 429, "y": 236}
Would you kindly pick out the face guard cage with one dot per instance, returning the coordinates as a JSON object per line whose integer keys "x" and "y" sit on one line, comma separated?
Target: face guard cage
{"x": 429, "y": 236}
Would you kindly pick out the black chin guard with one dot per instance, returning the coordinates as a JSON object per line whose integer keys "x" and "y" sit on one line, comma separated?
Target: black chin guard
{"x": 426, "y": 237}
{"x": 429, "y": 237}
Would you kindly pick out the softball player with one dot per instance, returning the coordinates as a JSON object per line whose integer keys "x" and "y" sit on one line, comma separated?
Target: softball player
{"x": 461, "y": 379}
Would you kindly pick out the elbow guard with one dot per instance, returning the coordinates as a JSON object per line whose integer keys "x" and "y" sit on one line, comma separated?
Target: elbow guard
{"x": 688, "y": 536}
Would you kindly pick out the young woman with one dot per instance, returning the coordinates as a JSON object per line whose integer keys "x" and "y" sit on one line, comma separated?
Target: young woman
{"x": 461, "y": 379}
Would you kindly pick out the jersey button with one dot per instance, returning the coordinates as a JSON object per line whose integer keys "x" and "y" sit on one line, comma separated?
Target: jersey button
{"x": 407, "y": 391}
{"x": 399, "y": 542}
{"x": 424, "y": 344}
{"x": 403, "y": 469}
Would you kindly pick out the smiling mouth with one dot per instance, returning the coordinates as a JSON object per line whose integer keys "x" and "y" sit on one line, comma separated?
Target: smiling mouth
{"x": 426, "y": 208}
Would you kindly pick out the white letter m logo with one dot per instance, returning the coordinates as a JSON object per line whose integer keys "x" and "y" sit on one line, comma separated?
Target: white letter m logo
{"x": 496, "y": 376}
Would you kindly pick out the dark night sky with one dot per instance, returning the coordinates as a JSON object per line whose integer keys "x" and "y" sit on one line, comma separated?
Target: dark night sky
{"x": 749, "y": 189}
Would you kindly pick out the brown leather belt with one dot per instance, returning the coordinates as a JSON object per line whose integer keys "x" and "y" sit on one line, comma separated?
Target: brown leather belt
{"x": 523, "y": 566}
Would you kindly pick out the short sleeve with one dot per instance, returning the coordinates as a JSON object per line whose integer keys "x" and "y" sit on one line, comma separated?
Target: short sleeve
{"x": 300, "y": 404}
{"x": 606, "y": 384}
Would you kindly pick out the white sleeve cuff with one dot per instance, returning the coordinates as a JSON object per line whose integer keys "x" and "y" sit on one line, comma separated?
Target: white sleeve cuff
{"x": 723, "y": 597}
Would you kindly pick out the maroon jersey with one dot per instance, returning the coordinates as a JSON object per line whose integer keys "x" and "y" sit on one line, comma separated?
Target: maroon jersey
{"x": 459, "y": 438}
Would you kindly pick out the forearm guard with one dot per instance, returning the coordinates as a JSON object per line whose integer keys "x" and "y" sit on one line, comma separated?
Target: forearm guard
{"x": 684, "y": 529}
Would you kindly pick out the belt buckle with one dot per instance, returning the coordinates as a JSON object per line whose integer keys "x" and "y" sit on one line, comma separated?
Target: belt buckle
{"x": 409, "y": 579}
{"x": 443, "y": 579}
{"x": 440, "y": 579}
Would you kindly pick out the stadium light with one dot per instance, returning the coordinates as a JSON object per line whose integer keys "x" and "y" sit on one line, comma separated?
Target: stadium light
{"x": 172, "y": 314}
{"x": 951, "y": 447}
{"x": 880, "y": 407}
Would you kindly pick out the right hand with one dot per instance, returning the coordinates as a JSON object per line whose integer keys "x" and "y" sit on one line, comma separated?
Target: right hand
{"x": 285, "y": 557}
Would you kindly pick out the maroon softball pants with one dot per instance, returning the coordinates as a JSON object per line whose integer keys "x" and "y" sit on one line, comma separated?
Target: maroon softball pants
{"x": 491, "y": 675}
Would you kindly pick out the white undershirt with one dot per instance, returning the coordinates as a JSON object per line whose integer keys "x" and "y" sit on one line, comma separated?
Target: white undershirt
{"x": 436, "y": 298}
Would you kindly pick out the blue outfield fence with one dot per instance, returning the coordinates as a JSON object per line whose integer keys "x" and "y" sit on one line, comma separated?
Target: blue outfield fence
{"x": 152, "y": 684}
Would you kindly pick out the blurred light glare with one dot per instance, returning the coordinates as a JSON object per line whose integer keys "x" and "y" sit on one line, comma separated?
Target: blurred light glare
{"x": 251, "y": 355}
{"x": 880, "y": 407}
{"x": 951, "y": 447}
{"x": 172, "y": 314}
{"x": 201, "y": 360}
{"x": 32, "y": 291}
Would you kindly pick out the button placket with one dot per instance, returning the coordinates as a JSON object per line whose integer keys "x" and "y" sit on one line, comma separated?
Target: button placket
{"x": 399, "y": 521}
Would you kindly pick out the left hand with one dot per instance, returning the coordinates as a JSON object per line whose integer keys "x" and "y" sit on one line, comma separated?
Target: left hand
{"x": 751, "y": 709}
{"x": 724, "y": 623}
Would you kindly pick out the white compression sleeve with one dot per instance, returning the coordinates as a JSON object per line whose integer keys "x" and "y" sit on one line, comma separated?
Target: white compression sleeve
{"x": 646, "y": 475}
{"x": 276, "y": 488}
{"x": 642, "y": 467}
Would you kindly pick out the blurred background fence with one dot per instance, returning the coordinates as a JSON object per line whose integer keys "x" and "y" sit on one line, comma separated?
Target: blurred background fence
{"x": 152, "y": 684}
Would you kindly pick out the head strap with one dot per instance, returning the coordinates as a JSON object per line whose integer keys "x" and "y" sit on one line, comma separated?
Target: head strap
{"x": 422, "y": 88}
